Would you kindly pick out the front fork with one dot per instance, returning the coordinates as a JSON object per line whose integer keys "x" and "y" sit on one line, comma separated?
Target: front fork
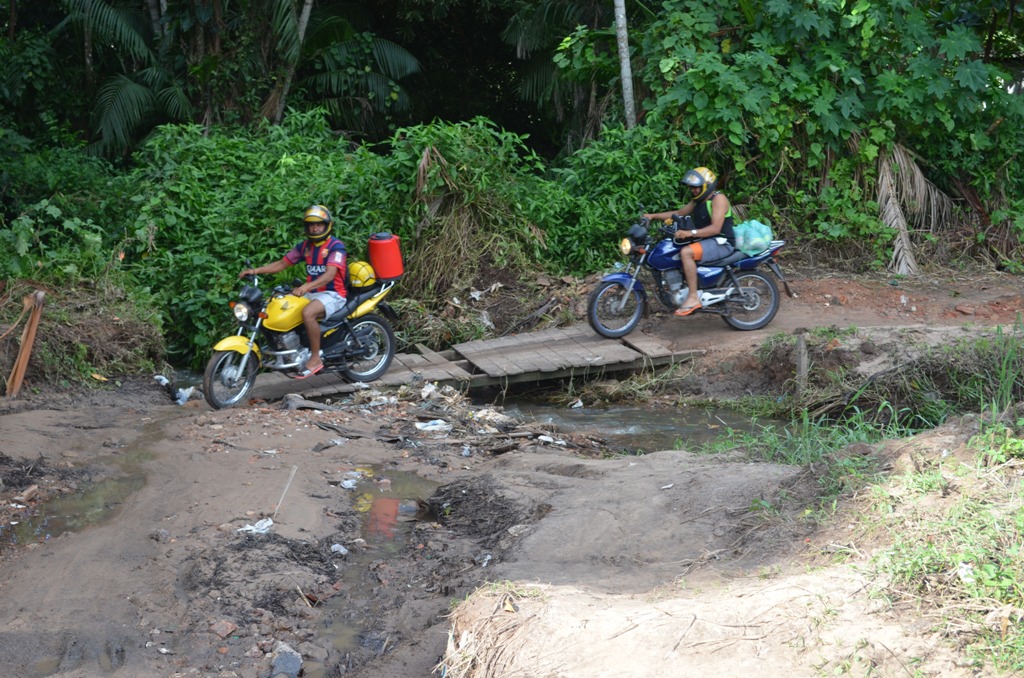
{"x": 628, "y": 279}
{"x": 239, "y": 344}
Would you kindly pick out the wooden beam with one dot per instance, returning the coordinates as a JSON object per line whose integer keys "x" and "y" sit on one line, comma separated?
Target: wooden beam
{"x": 28, "y": 337}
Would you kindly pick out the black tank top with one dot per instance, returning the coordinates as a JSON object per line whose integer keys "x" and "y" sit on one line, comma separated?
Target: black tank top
{"x": 702, "y": 218}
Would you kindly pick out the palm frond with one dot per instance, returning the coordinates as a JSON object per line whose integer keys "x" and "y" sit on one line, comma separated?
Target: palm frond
{"x": 285, "y": 26}
{"x": 121, "y": 105}
{"x": 929, "y": 207}
{"x": 111, "y": 26}
{"x": 541, "y": 25}
{"x": 325, "y": 32}
{"x": 394, "y": 60}
{"x": 903, "y": 261}
{"x": 175, "y": 103}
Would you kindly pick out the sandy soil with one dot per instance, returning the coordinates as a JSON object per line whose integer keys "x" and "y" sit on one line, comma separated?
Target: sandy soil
{"x": 622, "y": 566}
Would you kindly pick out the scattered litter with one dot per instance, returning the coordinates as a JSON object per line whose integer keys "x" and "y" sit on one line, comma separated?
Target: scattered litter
{"x": 466, "y": 451}
{"x": 348, "y": 484}
{"x": 493, "y": 416}
{"x": 966, "y": 573}
{"x": 483, "y": 559}
{"x": 578, "y": 404}
{"x": 435, "y": 426}
{"x": 667, "y": 487}
{"x": 161, "y": 379}
{"x": 339, "y": 549}
{"x": 183, "y": 394}
{"x": 261, "y": 527}
{"x": 546, "y": 439}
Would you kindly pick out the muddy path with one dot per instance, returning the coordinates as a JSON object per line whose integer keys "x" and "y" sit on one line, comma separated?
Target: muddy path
{"x": 357, "y": 574}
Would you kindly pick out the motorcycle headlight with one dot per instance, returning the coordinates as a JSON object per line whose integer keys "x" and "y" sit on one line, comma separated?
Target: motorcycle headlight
{"x": 626, "y": 246}
{"x": 241, "y": 312}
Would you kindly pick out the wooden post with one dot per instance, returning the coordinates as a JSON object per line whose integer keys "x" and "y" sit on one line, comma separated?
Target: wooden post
{"x": 801, "y": 361}
{"x": 28, "y": 337}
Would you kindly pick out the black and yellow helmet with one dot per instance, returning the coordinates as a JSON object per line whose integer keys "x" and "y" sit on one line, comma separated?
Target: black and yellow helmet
{"x": 315, "y": 215}
{"x": 361, "y": 274}
{"x": 699, "y": 177}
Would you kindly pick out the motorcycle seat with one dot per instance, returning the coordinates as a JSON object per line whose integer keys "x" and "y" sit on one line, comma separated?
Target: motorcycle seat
{"x": 736, "y": 256}
{"x": 352, "y": 303}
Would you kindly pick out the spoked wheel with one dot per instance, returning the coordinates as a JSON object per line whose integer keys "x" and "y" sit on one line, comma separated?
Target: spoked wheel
{"x": 375, "y": 349}
{"x": 612, "y": 311}
{"x": 226, "y": 382}
{"x": 756, "y": 303}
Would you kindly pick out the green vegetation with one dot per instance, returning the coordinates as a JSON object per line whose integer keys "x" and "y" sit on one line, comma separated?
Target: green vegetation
{"x": 889, "y": 137}
{"x": 947, "y": 525}
{"x": 956, "y": 527}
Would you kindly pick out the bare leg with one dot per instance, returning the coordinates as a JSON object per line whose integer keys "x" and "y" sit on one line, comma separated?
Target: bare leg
{"x": 311, "y": 314}
{"x": 690, "y": 273}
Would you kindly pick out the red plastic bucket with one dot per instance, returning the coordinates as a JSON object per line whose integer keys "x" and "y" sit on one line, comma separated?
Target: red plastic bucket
{"x": 386, "y": 256}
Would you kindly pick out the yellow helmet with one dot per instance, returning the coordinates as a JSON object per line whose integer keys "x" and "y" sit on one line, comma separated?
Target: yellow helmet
{"x": 699, "y": 177}
{"x": 360, "y": 274}
{"x": 317, "y": 214}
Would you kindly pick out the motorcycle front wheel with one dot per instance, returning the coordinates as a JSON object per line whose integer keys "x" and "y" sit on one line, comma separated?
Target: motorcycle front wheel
{"x": 612, "y": 311}
{"x": 374, "y": 348}
{"x": 225, "y": 382}
{"x": 755, "y": 303}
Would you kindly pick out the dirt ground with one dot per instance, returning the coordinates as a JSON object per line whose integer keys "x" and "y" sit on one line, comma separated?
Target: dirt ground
{"x": 383, "y": 519}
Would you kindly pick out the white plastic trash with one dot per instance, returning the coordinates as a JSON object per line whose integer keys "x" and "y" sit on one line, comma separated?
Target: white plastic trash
{"x": 435, "y": 426}
{"x": 261, "y": 527}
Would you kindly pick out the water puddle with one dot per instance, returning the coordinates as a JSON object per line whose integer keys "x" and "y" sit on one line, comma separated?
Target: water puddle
{"x": 94, "y": 504}
{"x": 387, "y": 500}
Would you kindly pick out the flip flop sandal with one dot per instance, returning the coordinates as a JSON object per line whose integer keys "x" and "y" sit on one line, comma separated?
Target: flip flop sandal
{"x": 687, "y": 310}
{"x": 306, "y": 374}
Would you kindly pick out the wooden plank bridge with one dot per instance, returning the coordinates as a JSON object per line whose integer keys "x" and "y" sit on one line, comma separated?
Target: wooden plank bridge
{"x": 536, "y": 356}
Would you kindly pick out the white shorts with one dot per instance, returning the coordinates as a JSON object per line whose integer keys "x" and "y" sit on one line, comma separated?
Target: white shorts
{"x": 332, "y": 301}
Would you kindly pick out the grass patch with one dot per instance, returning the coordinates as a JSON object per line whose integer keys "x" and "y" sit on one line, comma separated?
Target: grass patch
{"x": 821, "y": 444}
{"x": 957, "y": 549}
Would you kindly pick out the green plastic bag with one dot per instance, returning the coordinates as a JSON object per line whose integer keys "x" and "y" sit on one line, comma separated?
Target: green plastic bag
{"x": 752, "y": 237}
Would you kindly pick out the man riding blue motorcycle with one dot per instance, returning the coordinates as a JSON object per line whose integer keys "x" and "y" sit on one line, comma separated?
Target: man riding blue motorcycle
{"x": 712, "y": 226}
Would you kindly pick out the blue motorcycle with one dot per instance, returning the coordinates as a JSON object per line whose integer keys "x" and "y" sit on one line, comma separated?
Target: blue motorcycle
{"x": 733, "y": 287}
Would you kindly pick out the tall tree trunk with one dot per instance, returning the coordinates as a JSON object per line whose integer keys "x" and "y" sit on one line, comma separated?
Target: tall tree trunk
{"x": 154, "y": 19}
{"x": 289, "y": 75}
{"x": 218, "y": 24}
{"x": 624, "y": 64}
{"x": 90, "y": 75}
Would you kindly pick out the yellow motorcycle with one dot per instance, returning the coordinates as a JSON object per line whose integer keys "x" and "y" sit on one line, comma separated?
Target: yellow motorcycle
{"x": 356, "y": 343}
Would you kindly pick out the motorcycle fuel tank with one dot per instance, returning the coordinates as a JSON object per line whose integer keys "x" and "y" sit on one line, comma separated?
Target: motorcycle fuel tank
{"x": 664, "y": 255}
{"x": 284, "y": 313}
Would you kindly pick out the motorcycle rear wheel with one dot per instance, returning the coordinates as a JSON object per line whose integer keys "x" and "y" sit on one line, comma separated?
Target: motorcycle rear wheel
{"x": 224, "y": 384}
{"x": 605, "y": 314}
{"x": 379, "y": 347}
{"x": 756, "y": 303}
